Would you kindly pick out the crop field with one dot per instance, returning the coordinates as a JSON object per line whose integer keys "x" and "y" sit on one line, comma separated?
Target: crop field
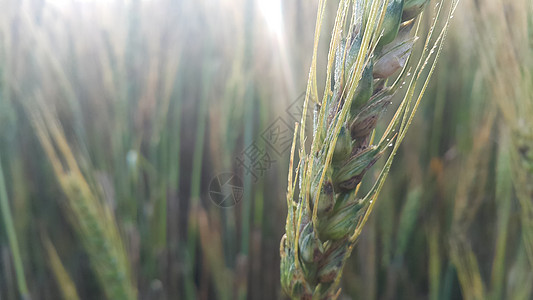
{"x": 266, "y": 149}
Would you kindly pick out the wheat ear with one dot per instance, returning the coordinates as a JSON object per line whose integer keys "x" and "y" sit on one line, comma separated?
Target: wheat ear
{"x": 370, "y": 43}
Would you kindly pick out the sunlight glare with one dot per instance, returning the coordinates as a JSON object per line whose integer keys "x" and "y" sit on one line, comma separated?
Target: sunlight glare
{"x": 271, "y": 10}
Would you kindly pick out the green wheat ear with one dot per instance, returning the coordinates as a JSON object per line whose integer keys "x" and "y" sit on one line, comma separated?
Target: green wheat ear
{"x": 367, "y": 49}
{"x": 92, "y": 218}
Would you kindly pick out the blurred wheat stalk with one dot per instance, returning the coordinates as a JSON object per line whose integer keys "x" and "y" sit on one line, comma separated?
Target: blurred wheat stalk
{"x": 371, "y": 41}
{"x": 5, "y": 210}
{"x": 90, "y": 215}
{"x": 511, "y": 50}
{"x": 504, "y": 30}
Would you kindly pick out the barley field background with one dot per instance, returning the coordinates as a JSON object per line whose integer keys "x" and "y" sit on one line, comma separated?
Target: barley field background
{"x": 144, "y": 153}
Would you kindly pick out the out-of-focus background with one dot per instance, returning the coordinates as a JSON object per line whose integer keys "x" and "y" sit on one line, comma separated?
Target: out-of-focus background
{"x": 144, "y": 153}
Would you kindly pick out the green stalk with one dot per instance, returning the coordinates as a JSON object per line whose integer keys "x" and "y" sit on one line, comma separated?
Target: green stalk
{"x": 504, "y": 199}
{"x": 247, "y": 188}
{"x": 12, "y": 237}
{"x": 249, "y": 99}
{"x": 434, "y": 266}
{"x": 196, "y": 176}
{"x": 174, "y": 179}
